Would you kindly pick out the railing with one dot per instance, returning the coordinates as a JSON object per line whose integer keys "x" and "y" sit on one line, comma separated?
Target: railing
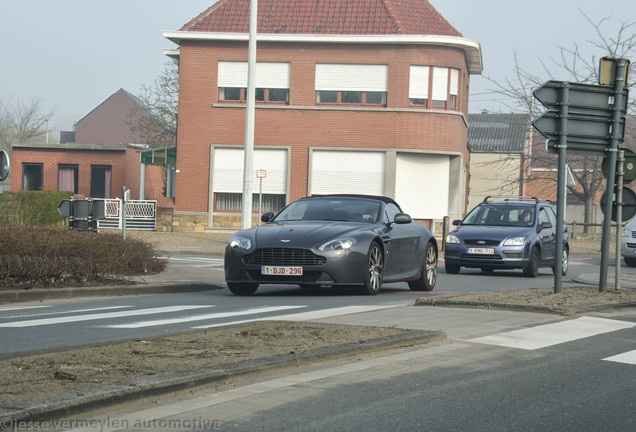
{"x": 140, "y": 215}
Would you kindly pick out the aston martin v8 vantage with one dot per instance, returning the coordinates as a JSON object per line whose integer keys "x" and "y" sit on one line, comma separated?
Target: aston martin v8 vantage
{"x": 337, "y": 240}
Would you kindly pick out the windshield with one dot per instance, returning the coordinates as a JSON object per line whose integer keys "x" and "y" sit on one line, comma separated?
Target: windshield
{"x": 500, "y": 215}
{"x": 330, "y": 210}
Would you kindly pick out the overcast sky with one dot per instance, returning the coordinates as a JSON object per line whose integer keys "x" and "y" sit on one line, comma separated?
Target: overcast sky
{"x": 73, "y": 54}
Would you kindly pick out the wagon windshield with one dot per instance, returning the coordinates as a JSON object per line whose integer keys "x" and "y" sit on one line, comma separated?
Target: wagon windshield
{"x": 330, "y": 210}
{"x": 504, "y": 215}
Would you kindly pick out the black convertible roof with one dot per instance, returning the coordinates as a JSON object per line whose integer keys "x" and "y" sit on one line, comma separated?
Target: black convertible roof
{"x": 384, "y": 199}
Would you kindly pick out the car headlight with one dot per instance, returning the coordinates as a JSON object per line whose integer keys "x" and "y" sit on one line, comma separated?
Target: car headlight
{"x": 240, "y": 243}
{"x": 627, "y": 232}
{"x": 337, "y": 244}
{"x": 515, "y": 241}
{"x": 451, "y": 238}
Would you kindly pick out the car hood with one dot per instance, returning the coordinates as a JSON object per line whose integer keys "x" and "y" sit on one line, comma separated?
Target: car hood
{"x": 305, "y": 234}
{"x": 491, "y": 232}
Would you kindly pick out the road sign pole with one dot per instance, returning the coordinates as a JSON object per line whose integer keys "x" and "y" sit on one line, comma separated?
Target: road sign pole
{"x": 561, "y": 184}
{"x": 619, "y": 84}
{"x": 619, "y": 217}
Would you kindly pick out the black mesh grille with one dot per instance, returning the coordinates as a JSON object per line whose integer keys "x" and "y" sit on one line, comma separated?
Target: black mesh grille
{"x": 283, "y": 257}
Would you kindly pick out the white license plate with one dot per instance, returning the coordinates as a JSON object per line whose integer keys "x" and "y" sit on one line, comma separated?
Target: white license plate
{"x": 481, "y": 251}
{"x": 281, "y": 271}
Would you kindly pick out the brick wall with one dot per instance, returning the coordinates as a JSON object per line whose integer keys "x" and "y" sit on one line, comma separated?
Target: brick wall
{"x": 51, "y": 158}
{"x": 302, "y": 125}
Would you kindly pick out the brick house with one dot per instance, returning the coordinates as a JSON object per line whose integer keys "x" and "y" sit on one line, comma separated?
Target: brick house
{"x": 357, "y": 96}
{"x": 95, "y": 160}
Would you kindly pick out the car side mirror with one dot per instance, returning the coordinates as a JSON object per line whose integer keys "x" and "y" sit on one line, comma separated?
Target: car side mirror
{"x": 402, "y": 218}
{"x": 266, "y": 217}
{"x": 545, "y": 225}
{"x": 456, "y": 222}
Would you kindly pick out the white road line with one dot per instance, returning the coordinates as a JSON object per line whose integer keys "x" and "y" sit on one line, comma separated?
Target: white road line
{"x": 106, "y": 315}
{"x": 306, "y": 316}
{"x": 167, "y": 321}
{"x": 553, "y": 334}
{"x": 19, "y": 308}
{"x": 628, "y": 358}
{"x": 66, "y": 312}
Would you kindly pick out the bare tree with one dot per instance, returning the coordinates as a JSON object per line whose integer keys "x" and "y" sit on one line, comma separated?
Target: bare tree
{"x": 574, "y": 65}
{"x": 22, "y": 123}
{"x": 155, "y": 120}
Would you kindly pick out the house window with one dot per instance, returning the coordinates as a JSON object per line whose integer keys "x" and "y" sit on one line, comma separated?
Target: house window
{"x": 234, "y": 94}
{"x": 227, "y": 175}
{"x": 224, "y": 201}
{"x": 32, "y": 176}
{"x": 101, "y": 177}
{"x": 351, "y": 84}
{"x": 434, "y": 87}
{"x": 272, "y": 82}
{"x": 67, "y": 176}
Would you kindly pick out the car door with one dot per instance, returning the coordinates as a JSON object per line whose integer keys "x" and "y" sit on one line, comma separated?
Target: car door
{"x": 547, "y": 236}
{"x": 401, "y": 244}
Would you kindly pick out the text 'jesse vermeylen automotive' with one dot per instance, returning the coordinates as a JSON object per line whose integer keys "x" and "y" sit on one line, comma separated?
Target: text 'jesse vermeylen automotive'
{"x": 337, "y": 240}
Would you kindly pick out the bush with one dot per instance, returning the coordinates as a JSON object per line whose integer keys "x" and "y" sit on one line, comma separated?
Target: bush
{"x": 33, "y": 257}
{"x": 32, "y": 207}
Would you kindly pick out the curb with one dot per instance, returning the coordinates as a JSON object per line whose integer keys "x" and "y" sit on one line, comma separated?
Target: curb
{"x": 17, "y": 296}
{"x": 567, "y": 311}
{"x": 71, "y": 403}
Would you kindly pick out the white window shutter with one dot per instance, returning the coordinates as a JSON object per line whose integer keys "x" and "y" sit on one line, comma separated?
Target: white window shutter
{"x": 418, "y": 82}
{"x": 352, "y": 77}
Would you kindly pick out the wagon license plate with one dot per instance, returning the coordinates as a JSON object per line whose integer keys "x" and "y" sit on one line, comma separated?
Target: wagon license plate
{"x": 481, "y": 251}
{"x": 281, "y": 271}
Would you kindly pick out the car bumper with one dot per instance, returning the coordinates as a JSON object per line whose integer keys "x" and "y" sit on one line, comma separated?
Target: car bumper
{"x": 508, "y": 257}
{"x": 339, "y": 268}
{"x": 628, "y": 248}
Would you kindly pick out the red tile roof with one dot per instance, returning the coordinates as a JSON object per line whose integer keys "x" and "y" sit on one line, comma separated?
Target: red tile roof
{"x": 334, "y": 17}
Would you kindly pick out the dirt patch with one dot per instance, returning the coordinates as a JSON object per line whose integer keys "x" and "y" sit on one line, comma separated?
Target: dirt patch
{"x": 36, "y": 375}
{"x": 541, "y": 298}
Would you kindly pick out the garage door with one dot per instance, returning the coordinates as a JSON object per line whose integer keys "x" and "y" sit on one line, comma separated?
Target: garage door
{"x": 422, "y": 184}
{"x": 347, "y": 172}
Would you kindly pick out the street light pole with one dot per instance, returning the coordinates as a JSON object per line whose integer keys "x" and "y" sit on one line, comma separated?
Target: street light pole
{"x": 248, "y": 163}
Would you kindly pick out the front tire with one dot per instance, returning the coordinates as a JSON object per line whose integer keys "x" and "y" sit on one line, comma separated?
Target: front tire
{"x": 532, "y": 270}
{"x": 374, "y": 271}
{"x": 242, "y": 289}
{"x": 428, "y": 278}
{"x": 564, "y": 264}
{"x": 631, "y": 262}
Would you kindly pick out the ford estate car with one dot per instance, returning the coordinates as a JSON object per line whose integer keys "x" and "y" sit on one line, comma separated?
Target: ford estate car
{"x": 506, "y": 233}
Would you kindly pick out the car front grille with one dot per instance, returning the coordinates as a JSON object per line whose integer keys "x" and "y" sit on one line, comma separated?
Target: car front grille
{"x": 284, "y": 257}
{"x": 631, "y": 245}
{"x": 473, "y": 257}
{"x": 480, "y": 242}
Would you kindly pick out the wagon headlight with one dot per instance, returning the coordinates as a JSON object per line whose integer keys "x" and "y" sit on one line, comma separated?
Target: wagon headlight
{"x": 240, "y": 243}
{"x": 515, "y": 241}
{"x": 451, "y": 238}
{"x": 337, "y": 244}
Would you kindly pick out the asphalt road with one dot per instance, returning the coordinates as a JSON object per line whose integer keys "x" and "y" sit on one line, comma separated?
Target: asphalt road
{"x": 57, "y": 324}
{"x": 554, "y": 374}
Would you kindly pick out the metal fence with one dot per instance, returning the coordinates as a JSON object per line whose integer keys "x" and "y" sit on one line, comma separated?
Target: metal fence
{"x": 140, "y": 215}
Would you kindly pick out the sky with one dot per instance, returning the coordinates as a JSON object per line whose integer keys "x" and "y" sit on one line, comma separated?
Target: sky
{"x": 71, "y": 55}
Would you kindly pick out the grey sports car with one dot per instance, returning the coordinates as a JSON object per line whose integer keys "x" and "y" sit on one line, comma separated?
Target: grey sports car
{"x": 337, "y": 240}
